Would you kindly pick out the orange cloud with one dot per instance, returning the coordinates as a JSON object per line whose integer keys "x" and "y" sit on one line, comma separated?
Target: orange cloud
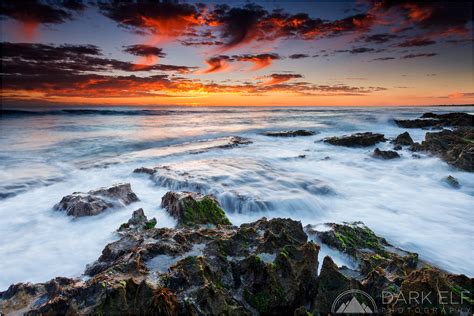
{"x": 280, "y": 78}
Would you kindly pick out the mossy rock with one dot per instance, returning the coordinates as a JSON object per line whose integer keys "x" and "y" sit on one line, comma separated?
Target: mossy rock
{"x": 192, "y": 209}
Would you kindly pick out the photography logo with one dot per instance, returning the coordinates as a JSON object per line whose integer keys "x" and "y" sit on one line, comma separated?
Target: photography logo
{"x": 354, "y": 302}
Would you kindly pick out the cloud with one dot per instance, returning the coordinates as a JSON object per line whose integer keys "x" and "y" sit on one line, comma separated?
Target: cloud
{"x": 298, "y": 56}
{"x": 417, "y": 42}
{"x": 144, "y": 50}
{"x": 34, "y": 59}
{"x": 280, "y": 78}
{"x": 260, "y": 61}
{"x": 32, "y": 13}
{"x": 216, "y": 64}
{"x": 458, "y": 95}
{"x": 380, "y": 38}
{"x": 410, "y": 56}
{"x": 163, "y": 19}
{"x": 383, "y": 58}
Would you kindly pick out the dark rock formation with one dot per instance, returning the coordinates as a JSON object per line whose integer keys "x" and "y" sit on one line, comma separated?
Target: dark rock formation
{"x": 265, "y": 267}
{"x": 439, "y": 121}
{"x": 452, "y": 181}
{"x": 385, "y": 154}
{"x": 404, "y": 139}
{"x": 300, "y": 132}
{"x": 137, "y": 222}
{"x": 455, "y": 147}
{"x": 191, "y": 208}
{"x": 96, "y": 201}
{"x": 235, "y": 141}
{"x": 356, "y": 140}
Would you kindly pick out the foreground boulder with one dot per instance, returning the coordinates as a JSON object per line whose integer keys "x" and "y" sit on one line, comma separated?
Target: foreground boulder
{"x": 455, "y": 147}
{"x": 265, "y": 267}
{"x": 439, "y": 120}
{"x": 404, "y": 139}
{"x": 190, "y": 208}
{"x": 299, "y": 132}
{"x": 356, "y": 140}
{"x": 94, "y": 202}
{"x": 385, "y": 154}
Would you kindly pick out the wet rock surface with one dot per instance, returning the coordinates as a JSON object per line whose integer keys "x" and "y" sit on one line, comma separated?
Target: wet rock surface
{"x": 190, "y": 208}
{"x": 403, "y": 139}
{"x": 356, "y": 140}
{"x": 300, "y": 132}
{"x": 456, "y": 147}
{"x": 97, "y": 201}
{"x": 259, "y": 268}
{"x": 385, "y": 154}
{"x": 439, "y": 120}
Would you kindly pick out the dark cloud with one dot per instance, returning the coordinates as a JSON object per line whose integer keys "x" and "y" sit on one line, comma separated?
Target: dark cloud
{"x": 35, "y": 11}
{"x": 34, "y": 59}
{"x": 417, "y": 42}
{"x": 380, "y": 38}
{"x": 160, "y": 17}
{"x": 383, "y": 58}
{"x": 359, "y": 50}
{"x": 217, "y": 64}
{"x": 144, "y": 50}
{"x": 432, "y": 15}
{"x": 298, "y": 56}
{"x": 410, "y": 56}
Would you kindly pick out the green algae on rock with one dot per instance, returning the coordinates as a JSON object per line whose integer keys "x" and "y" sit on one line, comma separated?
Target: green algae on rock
{"x": 191, "y": 209}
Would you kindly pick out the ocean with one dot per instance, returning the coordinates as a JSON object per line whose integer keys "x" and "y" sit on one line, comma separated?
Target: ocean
{"x": 48, "y": 154}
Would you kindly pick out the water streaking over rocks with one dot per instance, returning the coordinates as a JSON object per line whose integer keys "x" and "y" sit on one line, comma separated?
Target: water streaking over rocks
{"x": 225, "y": 152}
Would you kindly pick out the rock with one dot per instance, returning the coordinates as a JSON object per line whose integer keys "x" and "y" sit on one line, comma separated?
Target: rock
{"x": 293, "y": 133}
{"x": 145, "y": 170}
{"x": 190, "y": 209}
{"x": 263, "y": 267}
{"x": 235, "y": 141}
{"x": 331, "y": 283}
{"x": 137, "y": 222}
{"x": 96, "y": 201}
{"x": 439, "y": 120}
{"x": 367, "y": 249}
{"x": 398, "y": 147}
{"x": 356, "y": 140}
{"x": 455, "y": 147}
{"x": 403, "y": 139}
{"x": 452, "y": 181}
{"x": 385, "y": 154}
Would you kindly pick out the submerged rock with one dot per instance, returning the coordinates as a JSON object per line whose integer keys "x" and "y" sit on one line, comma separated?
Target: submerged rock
{"x": 294, "y": 133}
{"x": 356, "y": 140}
{"x": 190, "y": 209}
{"x": 439, "y": 120}
{"x": 385, "y": 154}
{"x": 95, "y": 202}
{"x": 452, "y": 181}
{"x": 455, "y": 147}
{"x": 404, "y": 139}
{"x": 235, "y": 141}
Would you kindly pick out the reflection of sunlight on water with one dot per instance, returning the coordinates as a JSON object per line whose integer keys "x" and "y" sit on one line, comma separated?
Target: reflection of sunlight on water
{"x": 404, "y": 200}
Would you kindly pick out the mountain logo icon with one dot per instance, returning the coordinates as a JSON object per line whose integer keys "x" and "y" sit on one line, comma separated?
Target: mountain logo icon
{"x": 354, "y": 302}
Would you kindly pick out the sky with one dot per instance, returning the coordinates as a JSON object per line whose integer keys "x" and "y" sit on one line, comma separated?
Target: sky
{"x": 236, "y": 53}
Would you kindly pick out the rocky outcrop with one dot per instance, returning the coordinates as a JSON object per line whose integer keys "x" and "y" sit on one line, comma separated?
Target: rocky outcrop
{"x": 261, "y": 268}
{"x": 294, "y": 133}
{"x": 439, "y": 121}
{"x": 404, "y": 139}
{"x": 94, "y": 202}
{"x": 235, "y": 141}
{"x": 455, "y": 147}
{"x": 385, "y": 154}
{"x": 137, "y": 222}
{"x": 356, "y": 140}
{"x": 265, "y": 267}
{"x": 190, "y": 208}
